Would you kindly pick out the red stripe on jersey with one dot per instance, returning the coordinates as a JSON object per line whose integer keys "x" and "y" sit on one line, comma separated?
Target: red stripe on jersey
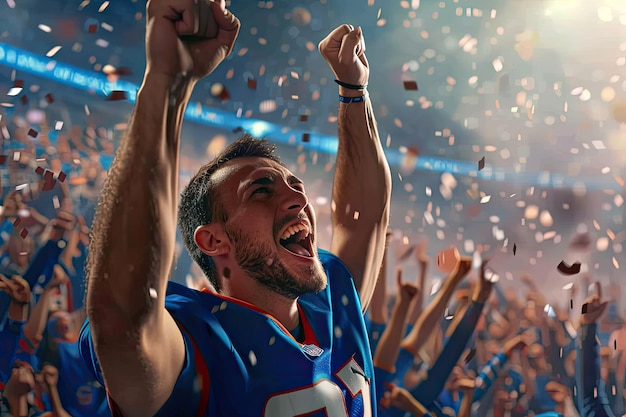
{"x": 27, "y": 346}
{"x": 202, "y": 372}
{"x": 115, "y": 409}
{"x": 309, "y": 334}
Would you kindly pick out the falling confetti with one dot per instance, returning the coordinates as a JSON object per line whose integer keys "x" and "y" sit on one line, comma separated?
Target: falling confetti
{"x": 410, "y": 85}
{"x": 481, "y": 163}
{"x": 470, "y": 355}
{"x": 514, "y": 249}
{"x": 251, "y": 83}
{"x": 306, "y": 137}
{"x": 24, "y": 233}
{"x": 32, "y": 133}
{"x": 117, "y": 95}
{"x": 52, "y": 52}
{"x": 566, "y": 269}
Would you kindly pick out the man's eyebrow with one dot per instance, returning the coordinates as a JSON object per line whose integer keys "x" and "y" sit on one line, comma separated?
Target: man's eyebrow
{"x": 265, "y": 180}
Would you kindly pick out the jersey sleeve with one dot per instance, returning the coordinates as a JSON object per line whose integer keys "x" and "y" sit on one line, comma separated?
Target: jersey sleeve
{"x": 190, "y": 394}
{"x": 428, "y": 390}
{"x": 488, "y": 375}
{"x": 594, "y": 398}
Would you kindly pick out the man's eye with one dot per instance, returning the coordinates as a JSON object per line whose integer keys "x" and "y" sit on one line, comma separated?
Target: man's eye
{"x": 261, "y": 190}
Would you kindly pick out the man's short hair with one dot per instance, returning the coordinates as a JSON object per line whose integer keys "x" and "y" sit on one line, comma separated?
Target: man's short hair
{"x": 200, "y": 200}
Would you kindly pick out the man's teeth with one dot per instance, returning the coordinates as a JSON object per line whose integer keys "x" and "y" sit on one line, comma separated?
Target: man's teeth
{"x": 292, "y": 230}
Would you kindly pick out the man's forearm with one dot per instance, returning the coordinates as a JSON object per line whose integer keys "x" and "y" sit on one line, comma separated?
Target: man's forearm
{"x": 36, "y": 324}
{"x": 378, "y": 307}
{"x": 389, "y": 345}
{"x": 418, "y": 303}
{"x": 57, "y": 406}
{"x": 362, "y": 190}
{"x": 429, "y": 318}
{"x": 134, "y": 227}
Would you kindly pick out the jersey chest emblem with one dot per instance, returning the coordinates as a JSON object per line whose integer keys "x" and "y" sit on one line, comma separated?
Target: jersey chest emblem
{"x": 312, "y": 350}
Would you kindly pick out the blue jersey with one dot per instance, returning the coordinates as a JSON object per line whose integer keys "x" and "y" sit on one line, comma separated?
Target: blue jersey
{"x": 80, "y": 394}
{"x": 240, "y": 361}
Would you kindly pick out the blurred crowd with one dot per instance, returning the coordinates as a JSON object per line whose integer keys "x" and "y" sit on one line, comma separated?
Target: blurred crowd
{"x": 462, "y": 346}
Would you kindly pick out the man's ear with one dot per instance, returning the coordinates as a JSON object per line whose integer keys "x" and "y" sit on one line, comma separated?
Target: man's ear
{"x": 212, "y": 239}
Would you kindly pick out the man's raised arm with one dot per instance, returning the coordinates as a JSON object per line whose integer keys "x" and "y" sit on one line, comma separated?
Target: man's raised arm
{"x": 362, "y": 183}
{"x": 138, "y": 344}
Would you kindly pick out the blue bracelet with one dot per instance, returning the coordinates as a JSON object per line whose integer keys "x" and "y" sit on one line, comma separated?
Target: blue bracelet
{"x": 347, "y": 100}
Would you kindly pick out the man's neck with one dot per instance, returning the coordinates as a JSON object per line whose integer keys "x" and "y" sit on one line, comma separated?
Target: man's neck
{"x": 283, "y": 309}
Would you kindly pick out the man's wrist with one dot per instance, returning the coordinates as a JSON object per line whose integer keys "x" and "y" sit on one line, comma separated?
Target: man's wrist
{"x": 178, "y": 87}
{"x": 347, "y": 92}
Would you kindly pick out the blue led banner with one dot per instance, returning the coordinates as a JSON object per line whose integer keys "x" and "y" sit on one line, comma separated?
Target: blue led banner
{"x": 96, "y": 82}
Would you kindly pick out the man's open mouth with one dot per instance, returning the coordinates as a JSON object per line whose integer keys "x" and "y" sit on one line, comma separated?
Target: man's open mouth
{"x": 297, "y": 240}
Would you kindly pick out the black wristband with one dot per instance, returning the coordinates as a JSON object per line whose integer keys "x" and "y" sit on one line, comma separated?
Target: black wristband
{"x": 351, "y": 86}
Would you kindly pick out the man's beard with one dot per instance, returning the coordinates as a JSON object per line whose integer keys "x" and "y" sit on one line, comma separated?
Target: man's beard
{"x": 260, "y": 261}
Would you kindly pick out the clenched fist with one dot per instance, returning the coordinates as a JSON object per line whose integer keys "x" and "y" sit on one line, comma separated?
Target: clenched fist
{"x": 344, "y": 50}
{"x": 174, "y": 46}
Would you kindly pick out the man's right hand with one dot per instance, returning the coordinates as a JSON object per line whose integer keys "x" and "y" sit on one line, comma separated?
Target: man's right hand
{"x": 171, "y": 47}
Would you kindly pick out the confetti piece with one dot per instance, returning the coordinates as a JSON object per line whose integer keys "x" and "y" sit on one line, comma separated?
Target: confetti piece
{"x": 16, "y": 222}
{"x": 584, "y": 309}
{"x": 485, "y": 199}
{"x": 571, "y": 304}
{"x": 52, "y": 52}
{"x": 18, "y": 84}
{"x": 24, "y": 233}
{"x": 62, "y": 176}
{"x": 615, "y": 344}
{"x": 117, "y": 95}
{"x": 514, "y": 249}
{"x": 3, "y": 159}
{"x": 14, "y": 91}
{"x": 306, "y": 137}
{"x": 224, "y": 95}
{"x": 410, "y": 85}
{"x": 481, "y": 163}
{"x": 304, "y": 117}
{"x": 470, "y": 355}
{"x": 24, "y": 100}
{"x": 49, "y": 181}
{"x": 251, "y": 83}
{"x": 39, "y": 170}
{"x": 49, "y": 98}
{"x": 32, "y": 133}
{"x": 566, "y": 269}
{"x": 153, "y": 293}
